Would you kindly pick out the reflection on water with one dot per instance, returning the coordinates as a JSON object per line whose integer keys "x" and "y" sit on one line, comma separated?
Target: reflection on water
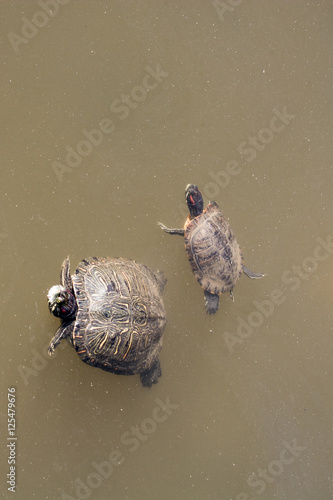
{"x": 110, "y": 109}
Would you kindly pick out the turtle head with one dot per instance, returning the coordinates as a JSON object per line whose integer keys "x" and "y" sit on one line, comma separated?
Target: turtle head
{"x": 62, "y": 302}
{"x": 194, "y": 200}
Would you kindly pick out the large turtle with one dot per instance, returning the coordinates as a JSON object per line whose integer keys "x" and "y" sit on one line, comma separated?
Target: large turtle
{"x": 214, "y": 254}
{"x": 112, "y": 312}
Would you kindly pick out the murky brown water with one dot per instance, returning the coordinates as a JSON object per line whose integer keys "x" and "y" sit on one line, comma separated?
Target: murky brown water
{"x": 109, "y": 110}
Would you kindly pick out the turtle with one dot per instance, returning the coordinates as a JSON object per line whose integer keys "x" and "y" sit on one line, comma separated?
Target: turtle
{"x": 214, "y": 254}
{"x": 112, "y": 313}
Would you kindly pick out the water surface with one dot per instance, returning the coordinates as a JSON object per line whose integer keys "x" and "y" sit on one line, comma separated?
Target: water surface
{"x": 109, "y": 110}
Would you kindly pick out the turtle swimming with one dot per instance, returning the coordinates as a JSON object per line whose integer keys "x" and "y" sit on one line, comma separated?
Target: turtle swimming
{"x": 112, "y": 313}
{"x": 214, "y": 254}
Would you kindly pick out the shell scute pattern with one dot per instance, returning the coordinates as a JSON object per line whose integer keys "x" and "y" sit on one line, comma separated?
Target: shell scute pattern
{"x": 120, "y": 317}
{"x": 213, "y": 251}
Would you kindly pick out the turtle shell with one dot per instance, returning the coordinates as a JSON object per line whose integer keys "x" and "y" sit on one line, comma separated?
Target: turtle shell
{"x": 213, "y": 252}
{"x": 121, "y": 316}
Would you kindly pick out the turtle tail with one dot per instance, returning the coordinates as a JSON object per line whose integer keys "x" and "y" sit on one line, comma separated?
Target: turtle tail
{"x": 211, "y": 302}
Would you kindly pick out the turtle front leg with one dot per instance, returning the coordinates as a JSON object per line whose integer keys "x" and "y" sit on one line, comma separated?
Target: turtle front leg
{"x": 62, "y": 332}
{"x": 181, "y": 232}
{"x": 251, "y": 274}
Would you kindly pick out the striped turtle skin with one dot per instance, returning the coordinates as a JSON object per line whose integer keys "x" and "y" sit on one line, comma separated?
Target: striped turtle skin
{"x": 119, "y": 316}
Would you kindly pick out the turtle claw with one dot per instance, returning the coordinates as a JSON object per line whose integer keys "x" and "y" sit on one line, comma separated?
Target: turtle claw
{"x": 50, "y": 350}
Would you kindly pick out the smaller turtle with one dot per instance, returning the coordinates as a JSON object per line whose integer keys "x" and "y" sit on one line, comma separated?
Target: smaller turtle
{"x": 214, "y": 254}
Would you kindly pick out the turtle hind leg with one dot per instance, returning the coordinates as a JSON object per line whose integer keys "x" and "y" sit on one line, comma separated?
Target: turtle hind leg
{"x": 251, "y": 274}
{"x": 211, "y": 302}
{"x": 151, "y": 376}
